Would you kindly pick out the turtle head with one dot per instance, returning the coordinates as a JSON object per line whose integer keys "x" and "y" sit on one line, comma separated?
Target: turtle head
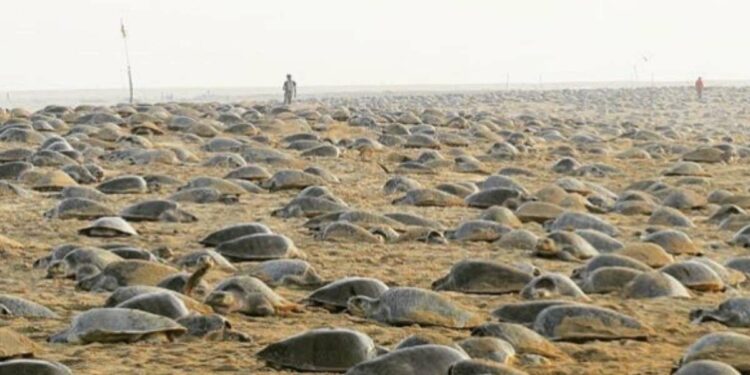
{"x": 701, "y": 315}
{"x": 205, "y": 261}
{"x": 229, "y": 198}
{"x": 221, "y": 301}
{"x": 98, "y": 282}
{"x": 42, "y": 262}
{"x": 55, "y": 269}
{"x": 546, "y": 246}
{"x": 360, "y": 305}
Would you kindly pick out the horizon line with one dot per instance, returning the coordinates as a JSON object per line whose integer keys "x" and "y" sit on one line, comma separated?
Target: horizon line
{"x": 395, "y": 85}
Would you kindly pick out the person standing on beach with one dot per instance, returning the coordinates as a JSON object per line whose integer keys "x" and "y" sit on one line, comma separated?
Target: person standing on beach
{"x": 699, "y": 87}
{"x": 290, "y": 89}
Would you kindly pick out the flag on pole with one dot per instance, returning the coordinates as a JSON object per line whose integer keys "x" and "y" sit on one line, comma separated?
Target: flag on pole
{"x": 122, "y": 28}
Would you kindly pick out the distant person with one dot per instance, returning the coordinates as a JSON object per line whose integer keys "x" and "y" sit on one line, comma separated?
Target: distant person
{"x": 699, "y": 87}
{"x": 290, "y": 89}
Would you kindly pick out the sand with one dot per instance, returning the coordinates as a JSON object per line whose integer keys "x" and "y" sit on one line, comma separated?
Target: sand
{"x": 404, "y": 264}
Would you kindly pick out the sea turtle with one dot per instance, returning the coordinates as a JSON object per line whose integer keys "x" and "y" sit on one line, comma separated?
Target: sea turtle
{"x": 648, "y": 253}
{"x": 478, "y": 230}
{"x": 426, "y": 338}
{"x": 322, "y": 349}
{"x": 479, "y": 367}
{"x": 484, "y": 277}
{"x": 608, "y": 260}
{"x": 552, "y": 285}
{"x": 600, "y": 241}
{"x": 334, "y": 296}
{"x": 203, "y": 195}
{"x": 565, "y": 165}
{"x": 524, "y": 312}
{"x": 706, "y": 155}
{"x": 732, "y": 312}
{"x": 307, "y": 206}
{"x": 492, "y": 197}
{"x": 128, "y": 184}
{"x": 259, "y": 246}
{"x": 15, "y": 345}
{"x": 577, "y": 220}
{"x": 501, "y": 215}
{"x": 69, "y": 261}
{"x": 54, "y": 180}
{"x": 232, "y": 232}
{"x": 405, "y": 305}
{"x": 523, "y": 339}
{"x": 19, "y": 307}
{"x": 250, "y": 172}
{"x": 110, "y": 226}
{"x": 518, "y": 239}
{"x": 29, "y": 366}
{"x": 78, "y": 208}
{"x": 409, "y": 219}
{"x": 730, "y": 348}
{"x": 429, "y": 198}
{"x": 292, "y": 179}
{"x": 160, "y": 303}
{"x": 229, "y": 187}
{"x": 695, "y": 275}
{"x": 684, "y": 199}
{"x": 457, "y": 189}
{"x": 669, "y": 217}
{"x": 729, "y": 276}
{"x": 673, "y": 242}
{"x": 344, "y": 231}
{"x": 654, "y": 284}
{"x": 564, "y": 245}
{"x": 369, "y": 220}
{"x": 400, "y": 184}
{"x": 685, "y": 168}
{"x": 225, "y": 160}
{"x": 423, "y": 359}
{"x": 125, "y": 293}
{"x": 247, "y": 295}
{"x": 740, "y": 263}
{"x": 539, "y": 212}
{"x": 581, "y": 323}
{"x": 488, "y": 348}
{"x": 319, "y": 171}
{"x": 124, "y": 273}
{"x": 157, "y": 210}
{"x": 84, "y": 192}
{"x": 608, "y": 279}
{"x": 79, "y": 173}
{"x": 706, "y": 367}
{"x": 287, "y": 272}
{"x": 113, "y": 324}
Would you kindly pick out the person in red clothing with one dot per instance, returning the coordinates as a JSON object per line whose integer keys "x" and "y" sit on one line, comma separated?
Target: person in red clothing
{"x": 699, "y": 87}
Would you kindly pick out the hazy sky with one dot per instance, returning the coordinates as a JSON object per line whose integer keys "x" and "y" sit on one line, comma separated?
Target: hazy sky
{"x": 56, "y": 44}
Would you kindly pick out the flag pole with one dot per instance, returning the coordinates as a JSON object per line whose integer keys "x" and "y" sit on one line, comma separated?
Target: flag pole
{"x": 127, "y": 60}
